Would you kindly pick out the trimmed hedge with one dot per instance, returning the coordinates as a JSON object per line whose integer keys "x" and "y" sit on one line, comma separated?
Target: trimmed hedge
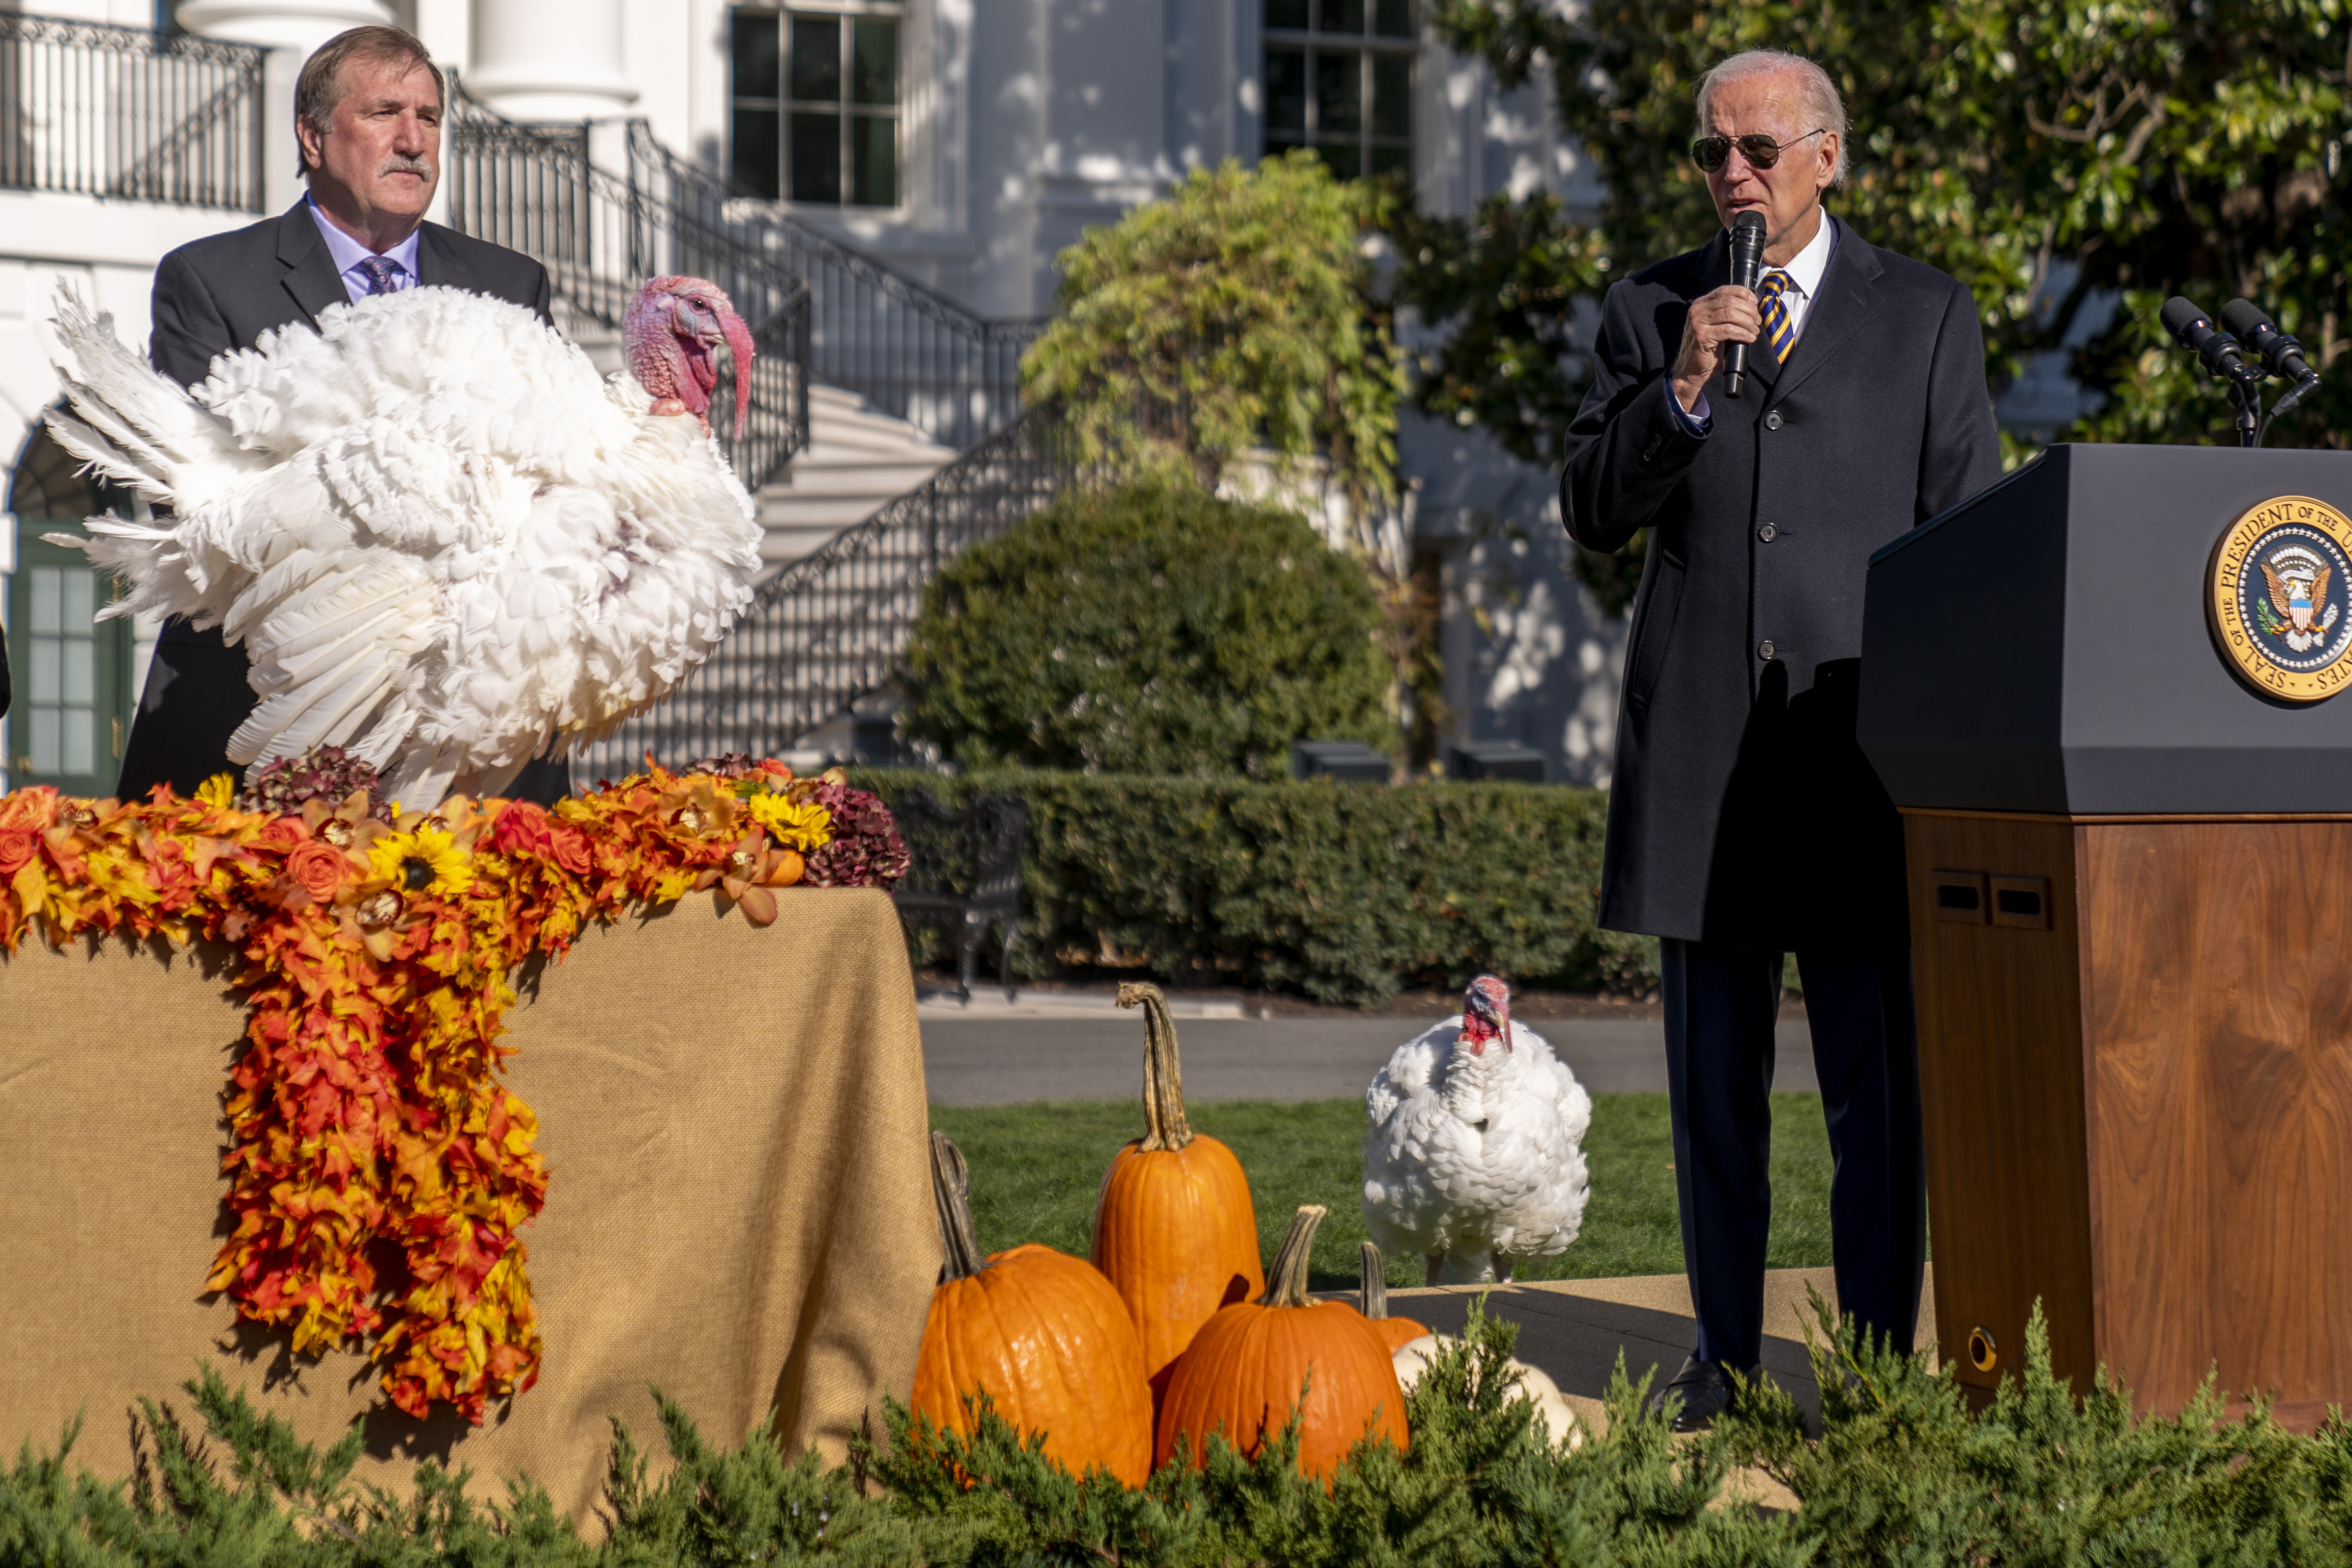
{"x": 1148, "y": 628}
{"x": 1345, "y": 892}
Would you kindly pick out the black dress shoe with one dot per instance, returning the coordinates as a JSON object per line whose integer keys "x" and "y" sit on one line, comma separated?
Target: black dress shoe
{"x": 1701, "y": 1392}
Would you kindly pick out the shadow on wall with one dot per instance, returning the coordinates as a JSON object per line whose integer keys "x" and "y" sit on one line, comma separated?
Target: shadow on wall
{"x": 1528, "y": 656}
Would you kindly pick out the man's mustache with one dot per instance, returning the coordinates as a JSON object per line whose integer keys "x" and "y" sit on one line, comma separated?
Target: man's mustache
{"x": 400, "y": 163}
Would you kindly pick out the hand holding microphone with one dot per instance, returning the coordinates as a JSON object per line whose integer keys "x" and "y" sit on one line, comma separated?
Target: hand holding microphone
{"x": 1747, "y": 266}
{"x": 1723, "y": 321}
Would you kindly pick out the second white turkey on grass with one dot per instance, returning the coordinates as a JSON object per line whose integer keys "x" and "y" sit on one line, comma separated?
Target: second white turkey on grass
{"x": 1475, "y": 1155}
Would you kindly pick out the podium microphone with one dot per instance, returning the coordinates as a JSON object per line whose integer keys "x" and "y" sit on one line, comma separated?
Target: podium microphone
{"x": 2195, "y": 331}
{"x": 2281, "y": 352}
{"x": 1747, "y": 266}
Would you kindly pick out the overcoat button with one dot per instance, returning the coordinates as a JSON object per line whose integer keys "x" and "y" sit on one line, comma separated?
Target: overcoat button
{"x": 1764, "y": 650}
{"x": 1772, "y": 420}
{"x": 1766, "y": 534}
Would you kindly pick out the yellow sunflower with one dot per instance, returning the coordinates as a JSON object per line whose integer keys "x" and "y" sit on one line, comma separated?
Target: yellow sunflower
{"x": 425, "y": 861}
{"x": 802, "y": 827}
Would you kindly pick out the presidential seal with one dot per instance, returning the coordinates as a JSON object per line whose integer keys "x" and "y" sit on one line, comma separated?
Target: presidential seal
{"x": 2277, "y": 594}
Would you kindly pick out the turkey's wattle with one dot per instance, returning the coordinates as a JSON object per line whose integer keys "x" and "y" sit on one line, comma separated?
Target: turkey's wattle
{"x": 671, "y": 333}
{"x": 1486, "y": 1013}
{"x": 443, "y": 539}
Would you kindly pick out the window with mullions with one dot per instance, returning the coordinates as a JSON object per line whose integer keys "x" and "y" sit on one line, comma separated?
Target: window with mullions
{"x": 1338, "y": 78}
{"x": 815, "y": 103}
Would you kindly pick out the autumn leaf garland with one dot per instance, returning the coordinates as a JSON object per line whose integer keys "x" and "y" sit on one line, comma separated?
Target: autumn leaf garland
{"x": 379, "y": 1170}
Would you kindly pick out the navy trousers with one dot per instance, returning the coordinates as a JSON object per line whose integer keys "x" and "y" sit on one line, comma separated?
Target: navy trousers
{"x": 1720, "y": 1004}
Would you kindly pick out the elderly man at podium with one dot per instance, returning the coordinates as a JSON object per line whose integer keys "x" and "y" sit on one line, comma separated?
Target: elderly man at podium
{"x": 1744, "y": 823}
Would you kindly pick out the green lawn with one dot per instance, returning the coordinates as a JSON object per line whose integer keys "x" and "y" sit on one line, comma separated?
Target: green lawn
{"x": 1034, "y": 1170}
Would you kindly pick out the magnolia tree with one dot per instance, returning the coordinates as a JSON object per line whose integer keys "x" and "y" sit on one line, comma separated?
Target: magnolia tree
{"x": 2045, "y": 152}
{"x": 1229, "y": 335}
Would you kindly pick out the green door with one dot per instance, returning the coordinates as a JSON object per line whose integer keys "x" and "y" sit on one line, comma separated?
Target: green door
{"x": 71, "y": 672}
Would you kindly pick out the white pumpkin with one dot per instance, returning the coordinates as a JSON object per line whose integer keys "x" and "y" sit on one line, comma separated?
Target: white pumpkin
{"x": 1534, "y": 1383}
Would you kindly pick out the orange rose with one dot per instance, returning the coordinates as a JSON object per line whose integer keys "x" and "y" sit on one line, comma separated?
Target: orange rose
{"x": 319, "y": 869}
{"x": 570, "y": 848}
{"x": 17, "y": 847}
{"x": 281, "y": 835}
{"x": 521, "y": 829}
{"x": 36, "y": 807}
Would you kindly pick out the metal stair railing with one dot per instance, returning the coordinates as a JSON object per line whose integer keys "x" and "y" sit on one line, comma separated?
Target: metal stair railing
{"x": 534, "y": 189}
{"x": 831, "y": 628}
{"x": 102, "y": 110}
{"x": 909, "y": 350}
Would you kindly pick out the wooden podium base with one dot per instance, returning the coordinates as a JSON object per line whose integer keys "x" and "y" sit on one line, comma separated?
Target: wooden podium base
{"x": 2136, "y": 1059}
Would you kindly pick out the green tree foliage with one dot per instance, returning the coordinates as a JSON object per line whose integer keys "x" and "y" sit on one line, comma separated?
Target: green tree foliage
{"x": 1149, "y": 629}
{"x": 1902, "y": 1473}
{"x": 1341, "y": 891}
{"x": 2172, "y": 146}
{"x": 1234, "y": 315}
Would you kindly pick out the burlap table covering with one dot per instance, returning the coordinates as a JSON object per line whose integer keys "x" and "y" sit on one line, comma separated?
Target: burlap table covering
{"x": 739, "y": 1207}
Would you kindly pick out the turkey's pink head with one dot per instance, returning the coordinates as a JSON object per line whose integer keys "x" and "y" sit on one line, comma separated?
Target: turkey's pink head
{"x": 672, "y": 332}
{"x": 1486, "y": 1013}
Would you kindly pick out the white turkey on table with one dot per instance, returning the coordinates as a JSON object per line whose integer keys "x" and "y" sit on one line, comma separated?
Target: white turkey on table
{"x": 1474, "y": 1153}
{"x": 443, "y": 539}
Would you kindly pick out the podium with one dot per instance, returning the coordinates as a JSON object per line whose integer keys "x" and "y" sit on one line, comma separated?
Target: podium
{"x": 2098, "y": 692}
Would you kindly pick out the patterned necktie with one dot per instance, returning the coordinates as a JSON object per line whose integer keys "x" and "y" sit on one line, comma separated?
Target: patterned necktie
{"x": 383, "y": 273}
{"x": 1778, "y": 331}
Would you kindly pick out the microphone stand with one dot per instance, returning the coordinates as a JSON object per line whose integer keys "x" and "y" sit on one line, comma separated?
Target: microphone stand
{"x": 2246, "y": 398}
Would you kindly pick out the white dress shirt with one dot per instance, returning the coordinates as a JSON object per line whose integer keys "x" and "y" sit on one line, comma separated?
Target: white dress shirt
{"x": 349, "y": 253}
{"x": 1804, "y": 282}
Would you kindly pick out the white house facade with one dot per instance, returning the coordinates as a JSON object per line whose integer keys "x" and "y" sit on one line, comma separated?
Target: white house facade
{"x": 918, "y": 163}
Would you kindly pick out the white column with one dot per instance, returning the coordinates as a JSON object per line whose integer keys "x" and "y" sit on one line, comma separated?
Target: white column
{"x": 550, "y": 59}
{"x": 301, "y": 25}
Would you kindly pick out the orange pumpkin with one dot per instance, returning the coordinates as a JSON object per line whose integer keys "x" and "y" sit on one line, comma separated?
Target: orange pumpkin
{"x": 1042, "y": 1332}
{"x": 785, "y": 868}
{"x": 1255, "y": 1361}
{"x": 1395, "y": 1333}
{"x": 1174, "y": 1228}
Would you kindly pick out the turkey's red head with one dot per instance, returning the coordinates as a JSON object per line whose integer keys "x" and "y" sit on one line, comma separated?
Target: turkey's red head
{"x": 672, "y": 333}
{"x": 1486, "y": 1013}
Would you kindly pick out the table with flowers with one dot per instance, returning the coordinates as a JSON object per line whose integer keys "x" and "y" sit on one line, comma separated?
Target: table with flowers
{"x": 477, "y": 1125}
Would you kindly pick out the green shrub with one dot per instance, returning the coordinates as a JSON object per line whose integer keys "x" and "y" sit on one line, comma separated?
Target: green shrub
{"x": 1150, "y": 628}
{"x": 1343, "y": 891}
{"x": 1903, "y": 1472}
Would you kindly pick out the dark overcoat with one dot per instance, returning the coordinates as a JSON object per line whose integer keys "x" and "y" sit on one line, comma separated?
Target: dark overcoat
{"x": 222, "y": 293}
{"x": 1741, "y": 809}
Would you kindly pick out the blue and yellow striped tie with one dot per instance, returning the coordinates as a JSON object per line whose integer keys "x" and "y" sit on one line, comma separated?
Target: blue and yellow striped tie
{"x": 1777, "y": 330}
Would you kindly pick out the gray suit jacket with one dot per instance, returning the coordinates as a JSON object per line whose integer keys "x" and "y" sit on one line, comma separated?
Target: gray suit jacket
{"x": 1742, "y": 811}
{"x": 217, "y": 295}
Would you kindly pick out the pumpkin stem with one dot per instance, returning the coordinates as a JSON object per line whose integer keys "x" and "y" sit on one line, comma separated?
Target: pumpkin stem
{"x": 1374, "y": 1293}
{"x": 1285, "y": 1282}
{"x": 1163, "y": 1079}
{"x": 951, "y": 1191}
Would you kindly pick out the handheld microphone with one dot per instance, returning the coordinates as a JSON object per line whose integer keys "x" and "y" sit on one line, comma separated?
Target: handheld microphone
{"x": 2195, "y": 331}
{"x": 2281, "y": 352}
{"x": 1747, "y": 266}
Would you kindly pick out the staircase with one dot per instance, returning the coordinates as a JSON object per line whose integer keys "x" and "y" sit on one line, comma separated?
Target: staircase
{"x": 857, "y": 461}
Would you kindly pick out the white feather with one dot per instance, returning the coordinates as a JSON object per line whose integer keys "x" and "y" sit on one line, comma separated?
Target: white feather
{"x": 443, "y": 539}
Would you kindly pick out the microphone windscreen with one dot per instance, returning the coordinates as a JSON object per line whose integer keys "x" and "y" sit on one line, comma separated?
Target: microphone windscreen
{"x": 1747, "y": 247}
{"x": 2245, "y": 319}
{"x": 1749, "y": 218}
{"x": 2178, "y": 315}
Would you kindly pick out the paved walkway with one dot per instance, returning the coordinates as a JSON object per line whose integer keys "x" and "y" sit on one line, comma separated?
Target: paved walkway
{"x": 1575, "y": 1328}
{"x": 1077, "y": 1046}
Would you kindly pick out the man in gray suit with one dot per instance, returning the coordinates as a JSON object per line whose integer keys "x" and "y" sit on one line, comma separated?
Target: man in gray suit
{"x": 368, "y": 110}
{"x": 1744, "y": 821}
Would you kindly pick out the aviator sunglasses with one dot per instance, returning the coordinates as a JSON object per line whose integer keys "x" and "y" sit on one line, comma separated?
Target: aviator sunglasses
{"x": 1711, "y": 152}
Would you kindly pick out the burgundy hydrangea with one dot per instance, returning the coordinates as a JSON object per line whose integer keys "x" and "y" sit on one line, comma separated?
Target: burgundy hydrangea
{"x": 322, "y": 773}
{"x": 729, "y": 765}
{"x": 865, "y": 850}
